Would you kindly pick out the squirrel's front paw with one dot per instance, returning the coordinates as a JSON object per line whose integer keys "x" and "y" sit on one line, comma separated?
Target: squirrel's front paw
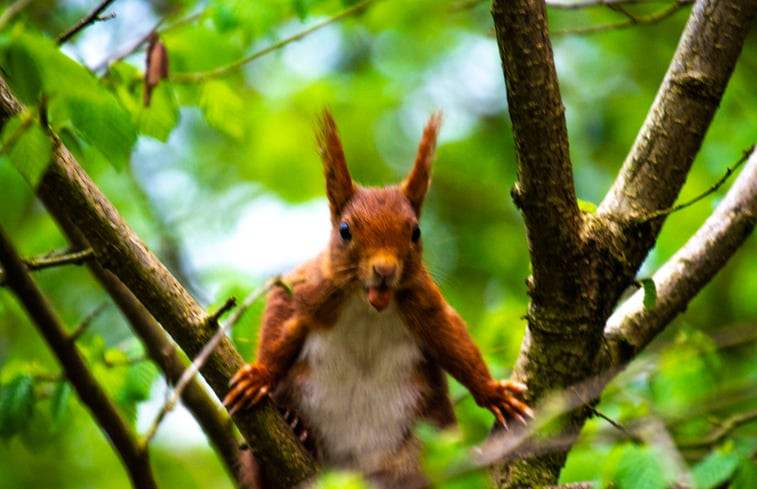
{"x": 250, "y": 384}
{"x": 502, "y": 401}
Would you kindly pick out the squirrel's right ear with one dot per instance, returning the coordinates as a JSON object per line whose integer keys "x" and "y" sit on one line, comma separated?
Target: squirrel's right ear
{"x": 339, "y": 184}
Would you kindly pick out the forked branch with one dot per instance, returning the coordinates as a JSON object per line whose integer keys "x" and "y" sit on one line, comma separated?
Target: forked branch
{"x": 633, "y": 326}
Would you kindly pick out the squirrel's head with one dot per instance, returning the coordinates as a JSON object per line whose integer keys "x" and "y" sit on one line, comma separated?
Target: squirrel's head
{"x": 375, "y": 238}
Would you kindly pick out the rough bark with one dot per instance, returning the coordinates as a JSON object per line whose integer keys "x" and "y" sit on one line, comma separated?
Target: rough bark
{"x": 633, "y": 326}
{"x": 66, "y": 188}
{"x": 210, "y": 415}
{"x": 583, "y": 262}
{"x": 104, "y": 411}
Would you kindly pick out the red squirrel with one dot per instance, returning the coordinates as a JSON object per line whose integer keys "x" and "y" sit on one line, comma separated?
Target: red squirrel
{"x": 357, "y": 349}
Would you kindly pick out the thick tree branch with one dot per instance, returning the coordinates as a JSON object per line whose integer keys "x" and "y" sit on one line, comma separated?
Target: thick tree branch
{"x": 66, "y": 187}
{"x": 210, "y": 415}
{"x": 633, "y": 326}
{"x": 132, "y": 454}
{"x": 656, "y": 167}
{"x": 544, "y": 191}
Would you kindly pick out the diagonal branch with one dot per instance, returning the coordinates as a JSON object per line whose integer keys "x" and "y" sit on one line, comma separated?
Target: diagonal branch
{"x": 240, "y": 63}
{"x": 67, "y": 188}
{"x": 544, "y": 191}
{"x": 656, "y": 167}
{"x": 90, "y": 18}
{"x": 133, "y": 456}
{"x": 214, "y": 421}
{"x": 633, "y": 326}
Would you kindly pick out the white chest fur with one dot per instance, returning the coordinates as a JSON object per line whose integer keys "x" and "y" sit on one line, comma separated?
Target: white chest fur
{"x": 359, "y": 396}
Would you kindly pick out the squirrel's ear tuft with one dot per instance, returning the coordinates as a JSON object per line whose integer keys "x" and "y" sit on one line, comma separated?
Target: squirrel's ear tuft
{"x": 417, "y": 183}
{"x": 339, "y": 185}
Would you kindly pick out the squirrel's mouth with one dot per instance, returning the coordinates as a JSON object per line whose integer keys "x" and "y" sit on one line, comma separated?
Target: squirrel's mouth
{"x": 379, "y": 296}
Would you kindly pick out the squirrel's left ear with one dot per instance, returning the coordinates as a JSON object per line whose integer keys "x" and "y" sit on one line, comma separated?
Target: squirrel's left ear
{"x": 417, "y": 183}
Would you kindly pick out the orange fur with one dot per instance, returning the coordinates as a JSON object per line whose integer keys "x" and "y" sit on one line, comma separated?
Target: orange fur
{"x": 371, "y": 279}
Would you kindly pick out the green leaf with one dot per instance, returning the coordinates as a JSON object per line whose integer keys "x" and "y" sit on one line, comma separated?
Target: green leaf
{"x": 223, "y": 108}
{"x": 101, "y": 121}
{"x": 59, "y": 401}
{"x": 717, "y": 468}
{"x": 16, "y": 405}
{"x": 115, "y": 357}
{"x": 136, "y": 388}
{"x": 650, "y": 292}
{"x": 746, "y": 475}
{"x": 641, "y": 467}
{"x": 76, "y": 97}
{"x": 331, "y": 479}
{"x": 160, "y": 118}
{"x": 586, "y": 206}
{"x": 28, "y": 147}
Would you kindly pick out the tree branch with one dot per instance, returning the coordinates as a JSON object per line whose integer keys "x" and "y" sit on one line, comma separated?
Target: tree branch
{"x": 210, "y": 415}
{"x": 633, "y": 326}
{"x": 723, "y": 430}
{"x": 54, "y": 260}
{"x": 656, "y": 167}
{"x": 239, "y": 64}
{"x": 189, "y": 374}
{"x": 631, "y": 21}
{"x": 90, "y": 18}
{"x": 134, "y": 458}
{"x": 66, "y": 187}
{"x": 544, "y": 191}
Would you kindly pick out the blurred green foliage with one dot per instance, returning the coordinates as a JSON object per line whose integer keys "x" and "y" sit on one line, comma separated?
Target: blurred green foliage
{"x": 220, "y": 174}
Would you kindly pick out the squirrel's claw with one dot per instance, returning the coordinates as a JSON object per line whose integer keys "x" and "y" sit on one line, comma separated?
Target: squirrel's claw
{"x": 248, "y": 386}
{"x": 505, "y": 405}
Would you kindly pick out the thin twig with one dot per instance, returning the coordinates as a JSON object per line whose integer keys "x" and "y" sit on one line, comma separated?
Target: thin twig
{"x": 631, "y": 22}
{"x": 713, "y": 188}
{"x": 12, "y": 10}
{"x": 84, "y": 324}
{"x": 202, "y": 357}
{"x": 469, "y": 4}
{"x": 230, "y": 303}
{"x": 126, "y": 52}
{"x": 608, "y": 3}
{"x": 725, "y": 428}
{"x": 236, "y": 65}
{"x": 627, "y": 433}
{"x": 89, "y": 390}
{"x": 91, "y": 18}
{"x": 49, "y": 261}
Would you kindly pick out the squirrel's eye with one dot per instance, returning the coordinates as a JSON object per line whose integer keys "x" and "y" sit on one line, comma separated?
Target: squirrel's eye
{"x": 344, "y": 231}
{"x": 416, "y": 234}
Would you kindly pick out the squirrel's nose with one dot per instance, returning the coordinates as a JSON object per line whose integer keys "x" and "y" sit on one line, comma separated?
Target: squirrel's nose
{"x": 385, "y": 270}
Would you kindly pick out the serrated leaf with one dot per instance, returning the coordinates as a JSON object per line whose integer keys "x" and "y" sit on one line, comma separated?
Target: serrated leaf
{"x": 717, "y": 468}
{"x": 223, "y": 108}
{"x": 16, "y": 405}
{"x": 650, "y": 293}
{"x": 641, "y": 468}
{"x": 28, "y": 148}
{"x": 59, "y": 401}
